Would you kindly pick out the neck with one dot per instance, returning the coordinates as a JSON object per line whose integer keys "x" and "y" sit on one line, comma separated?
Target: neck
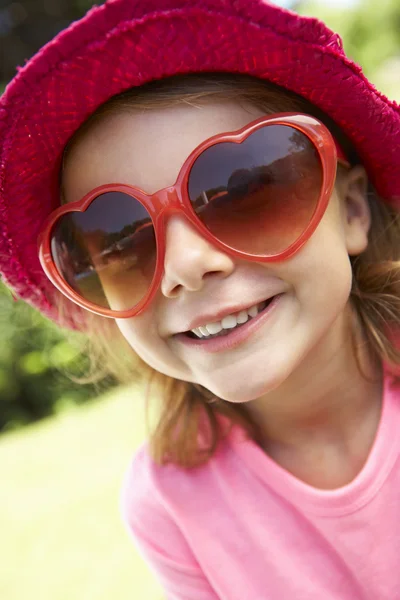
{"x": 331, "y": 401}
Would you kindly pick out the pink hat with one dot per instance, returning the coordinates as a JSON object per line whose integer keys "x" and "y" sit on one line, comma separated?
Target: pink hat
{"x": 126, "y": 43}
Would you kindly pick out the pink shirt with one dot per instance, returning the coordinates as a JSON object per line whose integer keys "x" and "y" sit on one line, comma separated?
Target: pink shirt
{"x": 243, "y": 528}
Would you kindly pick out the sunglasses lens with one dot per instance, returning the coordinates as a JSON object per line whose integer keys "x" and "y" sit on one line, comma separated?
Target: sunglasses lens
{"x": 107, "y": 254}
{"x": 258, "y": 196}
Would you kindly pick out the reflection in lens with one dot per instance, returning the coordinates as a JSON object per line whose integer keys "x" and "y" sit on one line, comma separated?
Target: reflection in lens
{"x": 258, "y": 196}
{"x": 107, "y": 254}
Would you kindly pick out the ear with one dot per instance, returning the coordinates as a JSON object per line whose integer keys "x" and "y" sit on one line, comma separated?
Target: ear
{"x": 352, "y": 187}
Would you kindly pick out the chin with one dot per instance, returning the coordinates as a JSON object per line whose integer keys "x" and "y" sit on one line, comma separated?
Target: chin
{"x": 242, "y": 394}
{"x": 244, "y": 388}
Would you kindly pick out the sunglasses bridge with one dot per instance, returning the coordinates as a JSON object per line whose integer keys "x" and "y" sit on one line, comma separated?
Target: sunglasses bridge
{"x": 167, "y": 202}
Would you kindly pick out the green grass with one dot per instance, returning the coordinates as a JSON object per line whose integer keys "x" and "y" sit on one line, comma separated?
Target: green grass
{"x": 62, "y": 536}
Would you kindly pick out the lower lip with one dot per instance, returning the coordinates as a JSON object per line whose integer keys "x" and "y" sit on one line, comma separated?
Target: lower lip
{"x": 236, "y": 337}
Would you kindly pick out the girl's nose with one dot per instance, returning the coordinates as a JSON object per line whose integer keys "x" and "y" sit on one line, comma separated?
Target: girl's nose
{"x": 189, "y": 259}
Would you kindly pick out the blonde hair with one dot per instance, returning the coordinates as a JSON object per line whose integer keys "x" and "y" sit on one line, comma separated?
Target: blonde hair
{"x": 375, "y": 294}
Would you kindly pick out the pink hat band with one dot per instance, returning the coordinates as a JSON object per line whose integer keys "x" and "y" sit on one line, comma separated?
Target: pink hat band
{"x": 126, "y": 43}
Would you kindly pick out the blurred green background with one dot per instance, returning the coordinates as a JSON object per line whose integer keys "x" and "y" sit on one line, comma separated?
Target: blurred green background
{"x": 64, "y": 447}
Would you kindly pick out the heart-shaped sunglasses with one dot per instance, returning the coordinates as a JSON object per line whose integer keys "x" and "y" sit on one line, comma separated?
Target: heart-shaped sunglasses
{"x": 257, "y": 194}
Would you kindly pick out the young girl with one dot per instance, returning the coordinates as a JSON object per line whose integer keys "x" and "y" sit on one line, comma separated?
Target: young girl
{"x": 195, "y": 186}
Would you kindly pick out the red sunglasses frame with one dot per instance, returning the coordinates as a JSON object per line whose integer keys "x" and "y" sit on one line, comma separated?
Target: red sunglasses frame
{"x": 175, "y": 199}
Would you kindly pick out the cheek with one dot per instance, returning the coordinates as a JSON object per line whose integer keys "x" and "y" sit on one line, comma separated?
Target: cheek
{"x": 142, "y": 335}
{"x": 139, "y": 333}
{"x": 322, "y": 271}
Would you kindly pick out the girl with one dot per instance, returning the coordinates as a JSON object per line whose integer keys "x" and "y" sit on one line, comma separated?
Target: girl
{"x": 262, "y": 286}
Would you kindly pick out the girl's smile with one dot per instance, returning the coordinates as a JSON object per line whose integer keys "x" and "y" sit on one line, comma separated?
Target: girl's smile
{"x": 203, "y": 289}
{"x": 233, "y": 330}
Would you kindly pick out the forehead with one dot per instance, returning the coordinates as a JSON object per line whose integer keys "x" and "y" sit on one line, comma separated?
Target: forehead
{"x": 146, "y": 149}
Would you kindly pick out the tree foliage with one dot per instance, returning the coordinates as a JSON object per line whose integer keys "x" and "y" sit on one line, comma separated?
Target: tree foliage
{"x": 371, "y": 36}
{"x": 38, "y": 366}
{"x": 25, "y": 26}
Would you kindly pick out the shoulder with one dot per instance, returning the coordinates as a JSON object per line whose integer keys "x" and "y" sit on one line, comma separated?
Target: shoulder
{"x": 141, "y": 479}
{"x": 142, "y": 506}
{"x": 149, "y": 488}
{"x": 173, "y": 490}
{"x": 151, "y": 509}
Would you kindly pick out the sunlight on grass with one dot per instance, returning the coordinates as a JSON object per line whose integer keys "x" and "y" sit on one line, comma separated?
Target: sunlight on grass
{"x": 62, "y": 534}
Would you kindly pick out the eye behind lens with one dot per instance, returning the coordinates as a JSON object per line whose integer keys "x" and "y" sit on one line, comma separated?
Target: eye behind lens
{"x": 259, "y": 196}
{"x": 94, "y": 250}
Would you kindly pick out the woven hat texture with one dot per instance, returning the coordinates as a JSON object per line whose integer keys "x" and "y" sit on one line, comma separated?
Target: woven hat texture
{"x": 126, "y": 43}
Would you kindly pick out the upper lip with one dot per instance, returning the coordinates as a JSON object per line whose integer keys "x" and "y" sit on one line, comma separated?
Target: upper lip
{"x": 204, "y": 318}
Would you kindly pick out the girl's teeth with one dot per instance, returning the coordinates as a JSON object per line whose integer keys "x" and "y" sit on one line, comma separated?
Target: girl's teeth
{"x": 253, "y": 311}
{"x": 229, "y": 322}
{"x": 242, "y": 317}
{"x": 213, "y": 328}
{"x": 197, "y": 332}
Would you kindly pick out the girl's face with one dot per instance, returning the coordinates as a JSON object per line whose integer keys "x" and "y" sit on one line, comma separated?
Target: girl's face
{"x": 307, "y": 321}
